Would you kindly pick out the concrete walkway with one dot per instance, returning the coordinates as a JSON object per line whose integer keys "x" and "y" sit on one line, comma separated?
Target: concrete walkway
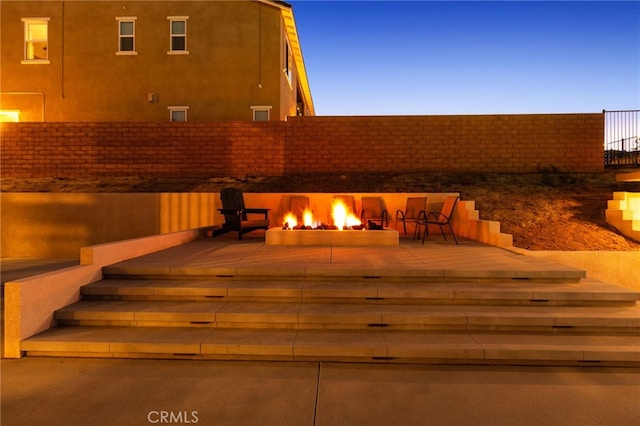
{"x": 73, "y": 392}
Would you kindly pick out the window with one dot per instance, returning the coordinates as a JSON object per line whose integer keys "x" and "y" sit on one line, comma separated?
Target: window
{"x": 126, "y": 36}
{"x": 261, "y": 113}
{"x": 178, "y": 113}
{"x": 287, "y": 60}
{"x": 9, "y": 116}
{"x": 178, "y": 35}
{"x": 36, "y": 40}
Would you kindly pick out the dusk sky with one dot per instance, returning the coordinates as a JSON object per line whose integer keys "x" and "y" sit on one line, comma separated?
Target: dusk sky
{"x": 470, "y": 57}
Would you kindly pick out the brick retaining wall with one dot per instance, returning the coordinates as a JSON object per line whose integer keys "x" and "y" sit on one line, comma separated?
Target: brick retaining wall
{"x": 475, "y": 143}
{"x": 142, "y": 149}
{"x": 472, "y": 143}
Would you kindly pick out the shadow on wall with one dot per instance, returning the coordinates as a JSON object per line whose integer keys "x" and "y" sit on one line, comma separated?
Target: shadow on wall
{"x": 58, "y": 225}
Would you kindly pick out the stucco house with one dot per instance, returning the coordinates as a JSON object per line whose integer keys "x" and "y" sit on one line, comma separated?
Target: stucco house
{"x": 202, "y": 60}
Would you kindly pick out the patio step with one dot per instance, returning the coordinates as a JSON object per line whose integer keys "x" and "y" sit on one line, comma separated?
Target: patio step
{"x": 381, "y": 346}
{"x": 358, "y": 316}
{"x": 477, "y": 319}
{"x": 436, "y": 269}
{"x": 586, "y": 292}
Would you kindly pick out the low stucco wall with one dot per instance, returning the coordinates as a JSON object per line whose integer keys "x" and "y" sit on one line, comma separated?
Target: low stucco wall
{"x": 58, "y": 225}
{"x": 29, "y": 303}
{"x": 615, "y": 267}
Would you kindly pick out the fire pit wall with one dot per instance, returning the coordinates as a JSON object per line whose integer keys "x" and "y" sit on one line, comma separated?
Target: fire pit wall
{"x": 466, "y": 222}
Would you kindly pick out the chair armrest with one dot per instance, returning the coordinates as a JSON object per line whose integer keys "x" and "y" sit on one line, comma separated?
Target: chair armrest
{"x": 437, "y": 216}
{"x": 230, "y": 211}
{"x": 265, "y": 212}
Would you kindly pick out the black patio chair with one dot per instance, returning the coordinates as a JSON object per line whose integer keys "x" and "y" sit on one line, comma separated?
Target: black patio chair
{"x": 236, "y": 214}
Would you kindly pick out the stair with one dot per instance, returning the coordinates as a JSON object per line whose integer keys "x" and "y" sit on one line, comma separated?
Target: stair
{"x": 476, "y": 319}
{"x": 621, "y": 213}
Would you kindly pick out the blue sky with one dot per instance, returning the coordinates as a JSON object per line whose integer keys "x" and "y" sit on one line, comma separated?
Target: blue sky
{"x": 470, "y": 57}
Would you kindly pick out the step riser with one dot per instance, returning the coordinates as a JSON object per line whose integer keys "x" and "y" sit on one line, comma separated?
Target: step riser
{"x": 517, "y": 361}
{"x": 614, "y": 327}
{"x": 381, "y": 346}
{"x": 400, "y": 277}
{"x": 337, "y": 359}
{"x": 371, "y": 300}
{"x": 610, "y": 331}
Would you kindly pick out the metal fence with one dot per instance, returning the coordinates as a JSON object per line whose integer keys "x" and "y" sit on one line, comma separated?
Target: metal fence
{"x": 621, "y": 138}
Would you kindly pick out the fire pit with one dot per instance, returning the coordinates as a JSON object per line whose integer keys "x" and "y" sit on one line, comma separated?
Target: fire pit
{"x": 346, "y": 230}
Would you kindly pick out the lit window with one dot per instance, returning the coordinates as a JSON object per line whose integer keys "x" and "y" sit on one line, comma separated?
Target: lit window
{"x": 126, "y": 36}
{"x": 36, "y": 40}
{"x": 178, "y": 113}
{"x": 9, "y": 116}
{"x": 261, "y": 113}
{"x": 178, "y": 34}
{"x": 287, "y": 60}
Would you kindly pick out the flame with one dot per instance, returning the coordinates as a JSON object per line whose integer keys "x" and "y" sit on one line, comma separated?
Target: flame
{"x": 342, "y": 217}
{"x": 290, "y": 221}
{"x": 307, "y": 218}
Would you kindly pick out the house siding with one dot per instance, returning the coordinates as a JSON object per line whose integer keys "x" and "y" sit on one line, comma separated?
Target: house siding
{"x": 232, "y": 47}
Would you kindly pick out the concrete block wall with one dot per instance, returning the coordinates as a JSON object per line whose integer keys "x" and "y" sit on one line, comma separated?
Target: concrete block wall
{"x": 469, "y": 143}
{"x": 142, "y": 149}
{"x": 474, "y": 143}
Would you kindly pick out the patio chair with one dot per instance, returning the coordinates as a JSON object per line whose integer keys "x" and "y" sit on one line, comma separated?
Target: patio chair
{"x": 349, "y": 201}
{"x": 236, "y": 214}
{"x": 414, "y": 211}
{"x": 441, "y": 218}
{"x": 374, "y": 210}
{"x": 297, "y": 205}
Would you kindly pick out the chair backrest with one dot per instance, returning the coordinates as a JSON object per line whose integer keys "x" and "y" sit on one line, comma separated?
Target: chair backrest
{"x": 372, "y": 206}
{"x": 298, "y": 204}
{"x": 448, "y": 206}
{"x": 349, "y": 201}
{"x": 414, "y": 206}
{"x": 232, "y": 199}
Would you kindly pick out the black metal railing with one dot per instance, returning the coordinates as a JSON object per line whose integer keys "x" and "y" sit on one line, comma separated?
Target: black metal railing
{"x": 621, "y": 138}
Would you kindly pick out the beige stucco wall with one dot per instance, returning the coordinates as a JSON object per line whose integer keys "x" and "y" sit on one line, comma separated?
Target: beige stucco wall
{"x": 616, "y": 267}
{"x": 232, "y": 47}
{"x": 30, "y": 302}
{"x": 57, "y": 225}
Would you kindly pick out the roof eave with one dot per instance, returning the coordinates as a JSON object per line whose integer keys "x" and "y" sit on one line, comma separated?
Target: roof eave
{"x": 294, "y": 42}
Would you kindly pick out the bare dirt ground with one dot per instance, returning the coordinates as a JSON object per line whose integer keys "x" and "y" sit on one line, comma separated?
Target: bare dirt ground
{"x": 543, "y": 211}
